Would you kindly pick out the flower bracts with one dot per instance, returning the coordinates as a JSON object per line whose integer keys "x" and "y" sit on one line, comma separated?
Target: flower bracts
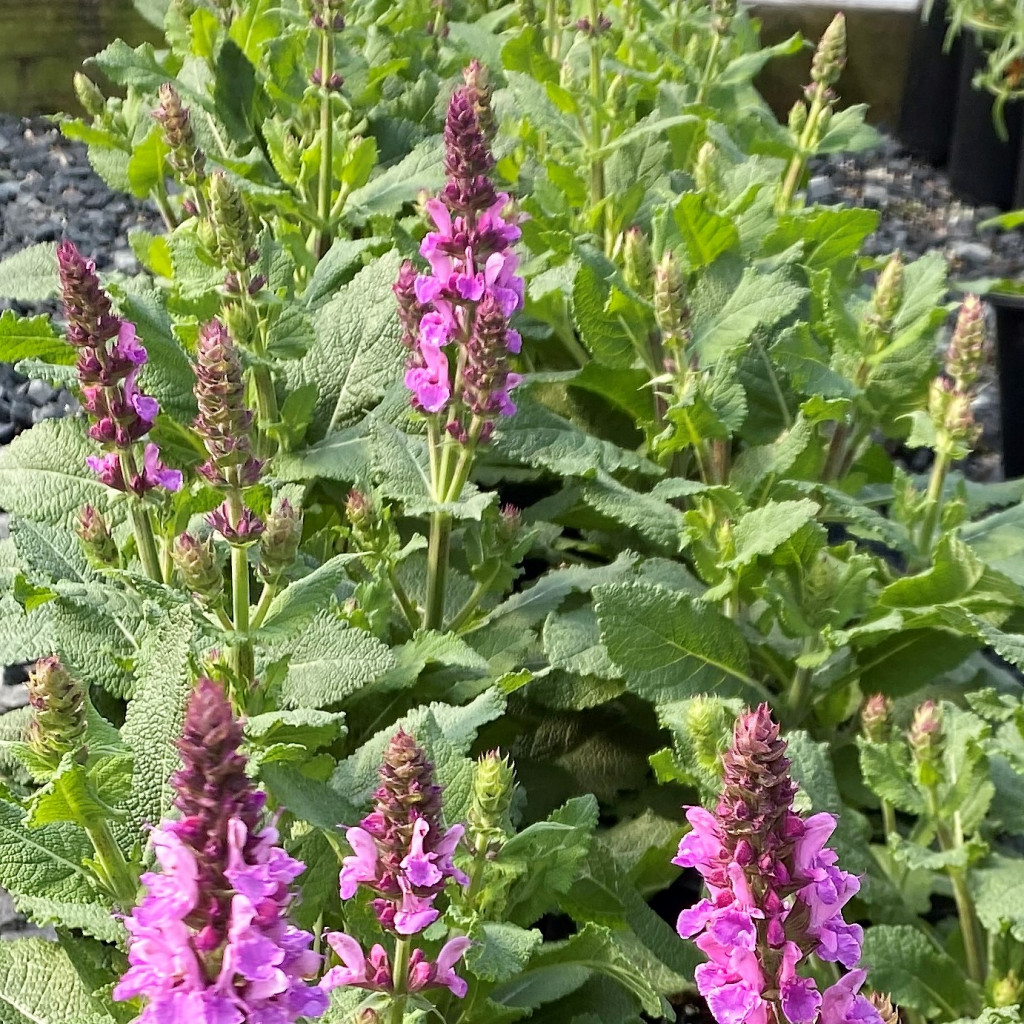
{"x": 775, "y": 894}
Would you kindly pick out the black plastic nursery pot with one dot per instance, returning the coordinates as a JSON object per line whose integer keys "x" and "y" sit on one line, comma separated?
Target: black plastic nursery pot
{"x": 929, "y": 98}
{"x": 982, "y": 166}
{"x": 1009, "y": 310}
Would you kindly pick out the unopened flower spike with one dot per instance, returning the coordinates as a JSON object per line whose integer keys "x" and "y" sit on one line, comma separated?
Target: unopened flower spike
{"x": 888, "y": 294}
{"x": 211, "y": 939}
{"x": 875, "y": 714}
{"x": 58, "y": 703}
{"x": 775, "y": 894}
{"x": 670, "y": 305}
{"x": 494, "y": 783}
{"x": 186, "y": 158}
{"x": 403, "y": 854}
{"x": 279, "y": 545}
{"x": 197, "y": 564}
{"x": 97, "y": 543}
{"x": 967, "y": 345}
{"x": 830, "y": 56}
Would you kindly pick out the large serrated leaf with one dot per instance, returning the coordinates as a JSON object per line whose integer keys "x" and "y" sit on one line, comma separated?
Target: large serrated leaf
{"x": 331, "y": 660}
{"x": 39, "y": 985}
{"x": 706, "y": 234}
{"x": 296, "y": 605}
{"x": 914, "y": 971}
{"x": 155, "y": 716}
{"x": 30, "y": 275}
{"x": 759, "y": 300}
{"x": 669, "y": 647}
{"x": 357, "y": 351}
{"x": 43, "y": 475}
{"x": 32, "y": 338}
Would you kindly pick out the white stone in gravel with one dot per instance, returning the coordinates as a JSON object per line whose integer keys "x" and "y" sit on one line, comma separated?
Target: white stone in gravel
{"x": 875, "y": 195}
{"x": 4, "y": 526}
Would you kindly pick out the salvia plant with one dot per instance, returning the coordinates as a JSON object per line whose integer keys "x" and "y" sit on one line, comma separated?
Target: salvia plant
{"x": 490, "y": 427}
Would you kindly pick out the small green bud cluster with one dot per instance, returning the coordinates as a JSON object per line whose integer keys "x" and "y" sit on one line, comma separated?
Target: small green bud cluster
{"x": 199, "y": 567}
{"x": 97, "y": 542}
{"x": 671, "y": 310}
{"x": 494, "y": 784}
{"x": 279, "y": 544}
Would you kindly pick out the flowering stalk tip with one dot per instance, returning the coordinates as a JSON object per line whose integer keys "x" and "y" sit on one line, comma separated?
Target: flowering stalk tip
{"x": 775, "y": 894}
{"x": 211, "y": 939}
{"x": 403, "y": 854}
{"x": 58, "y": 705}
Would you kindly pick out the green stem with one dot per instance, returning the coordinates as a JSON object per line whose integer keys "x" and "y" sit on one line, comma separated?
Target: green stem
{"x": 110, "y": 859}
{"x": 326, "y": 178}
{"x": 551, "y": 25}
{"x": 408, "y": 608}
{"x": 933, "y": 501}
{"x": 799, "y": 159}
{"x": 799, "y": 689}
{"x": 471, "y": 604}
{"x": 597, "y": 103}
{"x": 266, "y": 398}
{"x": 888, "y": 820}
{"x": 709, "y": 67}
{"x": 437, "y": 567}
{"x": 263, "y": 605}
{"x": 142, "y": 525}
{"x": 970, "y": 928}
{"x": 240, "y": 612}
{"x": 399, "y": 974}
{"x": 163, "y": 205}
{"x": 479, "y": 863}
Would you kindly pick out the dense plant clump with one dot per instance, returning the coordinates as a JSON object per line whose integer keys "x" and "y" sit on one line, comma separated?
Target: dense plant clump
{"x": 492, "y": 426}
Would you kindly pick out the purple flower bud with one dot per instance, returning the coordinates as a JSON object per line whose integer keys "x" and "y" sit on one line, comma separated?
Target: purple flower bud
{"x": 241, "y": 529}
{"x": 279, "y": 544}
{"x": 874, "y": 717}
{"x": 224, "y": 423}
{"x": 58, "y": 704}
{"x": 97, "y": 542}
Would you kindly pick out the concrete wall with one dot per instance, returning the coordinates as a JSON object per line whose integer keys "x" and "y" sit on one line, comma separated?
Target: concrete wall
{"x": 43, "y": 43}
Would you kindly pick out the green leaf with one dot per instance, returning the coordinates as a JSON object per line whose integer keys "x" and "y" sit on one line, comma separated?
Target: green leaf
{"x": 501, "y": 950}
{"x": 305, "y": 727}
{"x": 357, "y": 351}
{"x": 563, "y": 967}
{"x": 329, "y": 661}
{"x": 32, "y": 338}
{"x": 344, "y": 255}
{"x": 572, "y": 642}
{"x": 763, "y": 529}
{"x": 759, "y": 300}
{"x": 39, "y": 985}
{"x": 47, "y": 861}
{"x": 399, "y": 184}
{"x": 669, "y": 647}
{"x": 706, "y": 234}
{"x": 538, "y": 437}
{"x": 888, "y": 774}
{"x": 154, "y": 718}
{"x": 611, "y": 339}
{"x": 296, "y": 605}
{"x": 545, "y": 857}
{"x": 828, "y": 236}
{"x": 31, "y": 274}
{"x": 915, "y": 973}
{"x": 146, "y": 167}
{"x": 43, "y": 475}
